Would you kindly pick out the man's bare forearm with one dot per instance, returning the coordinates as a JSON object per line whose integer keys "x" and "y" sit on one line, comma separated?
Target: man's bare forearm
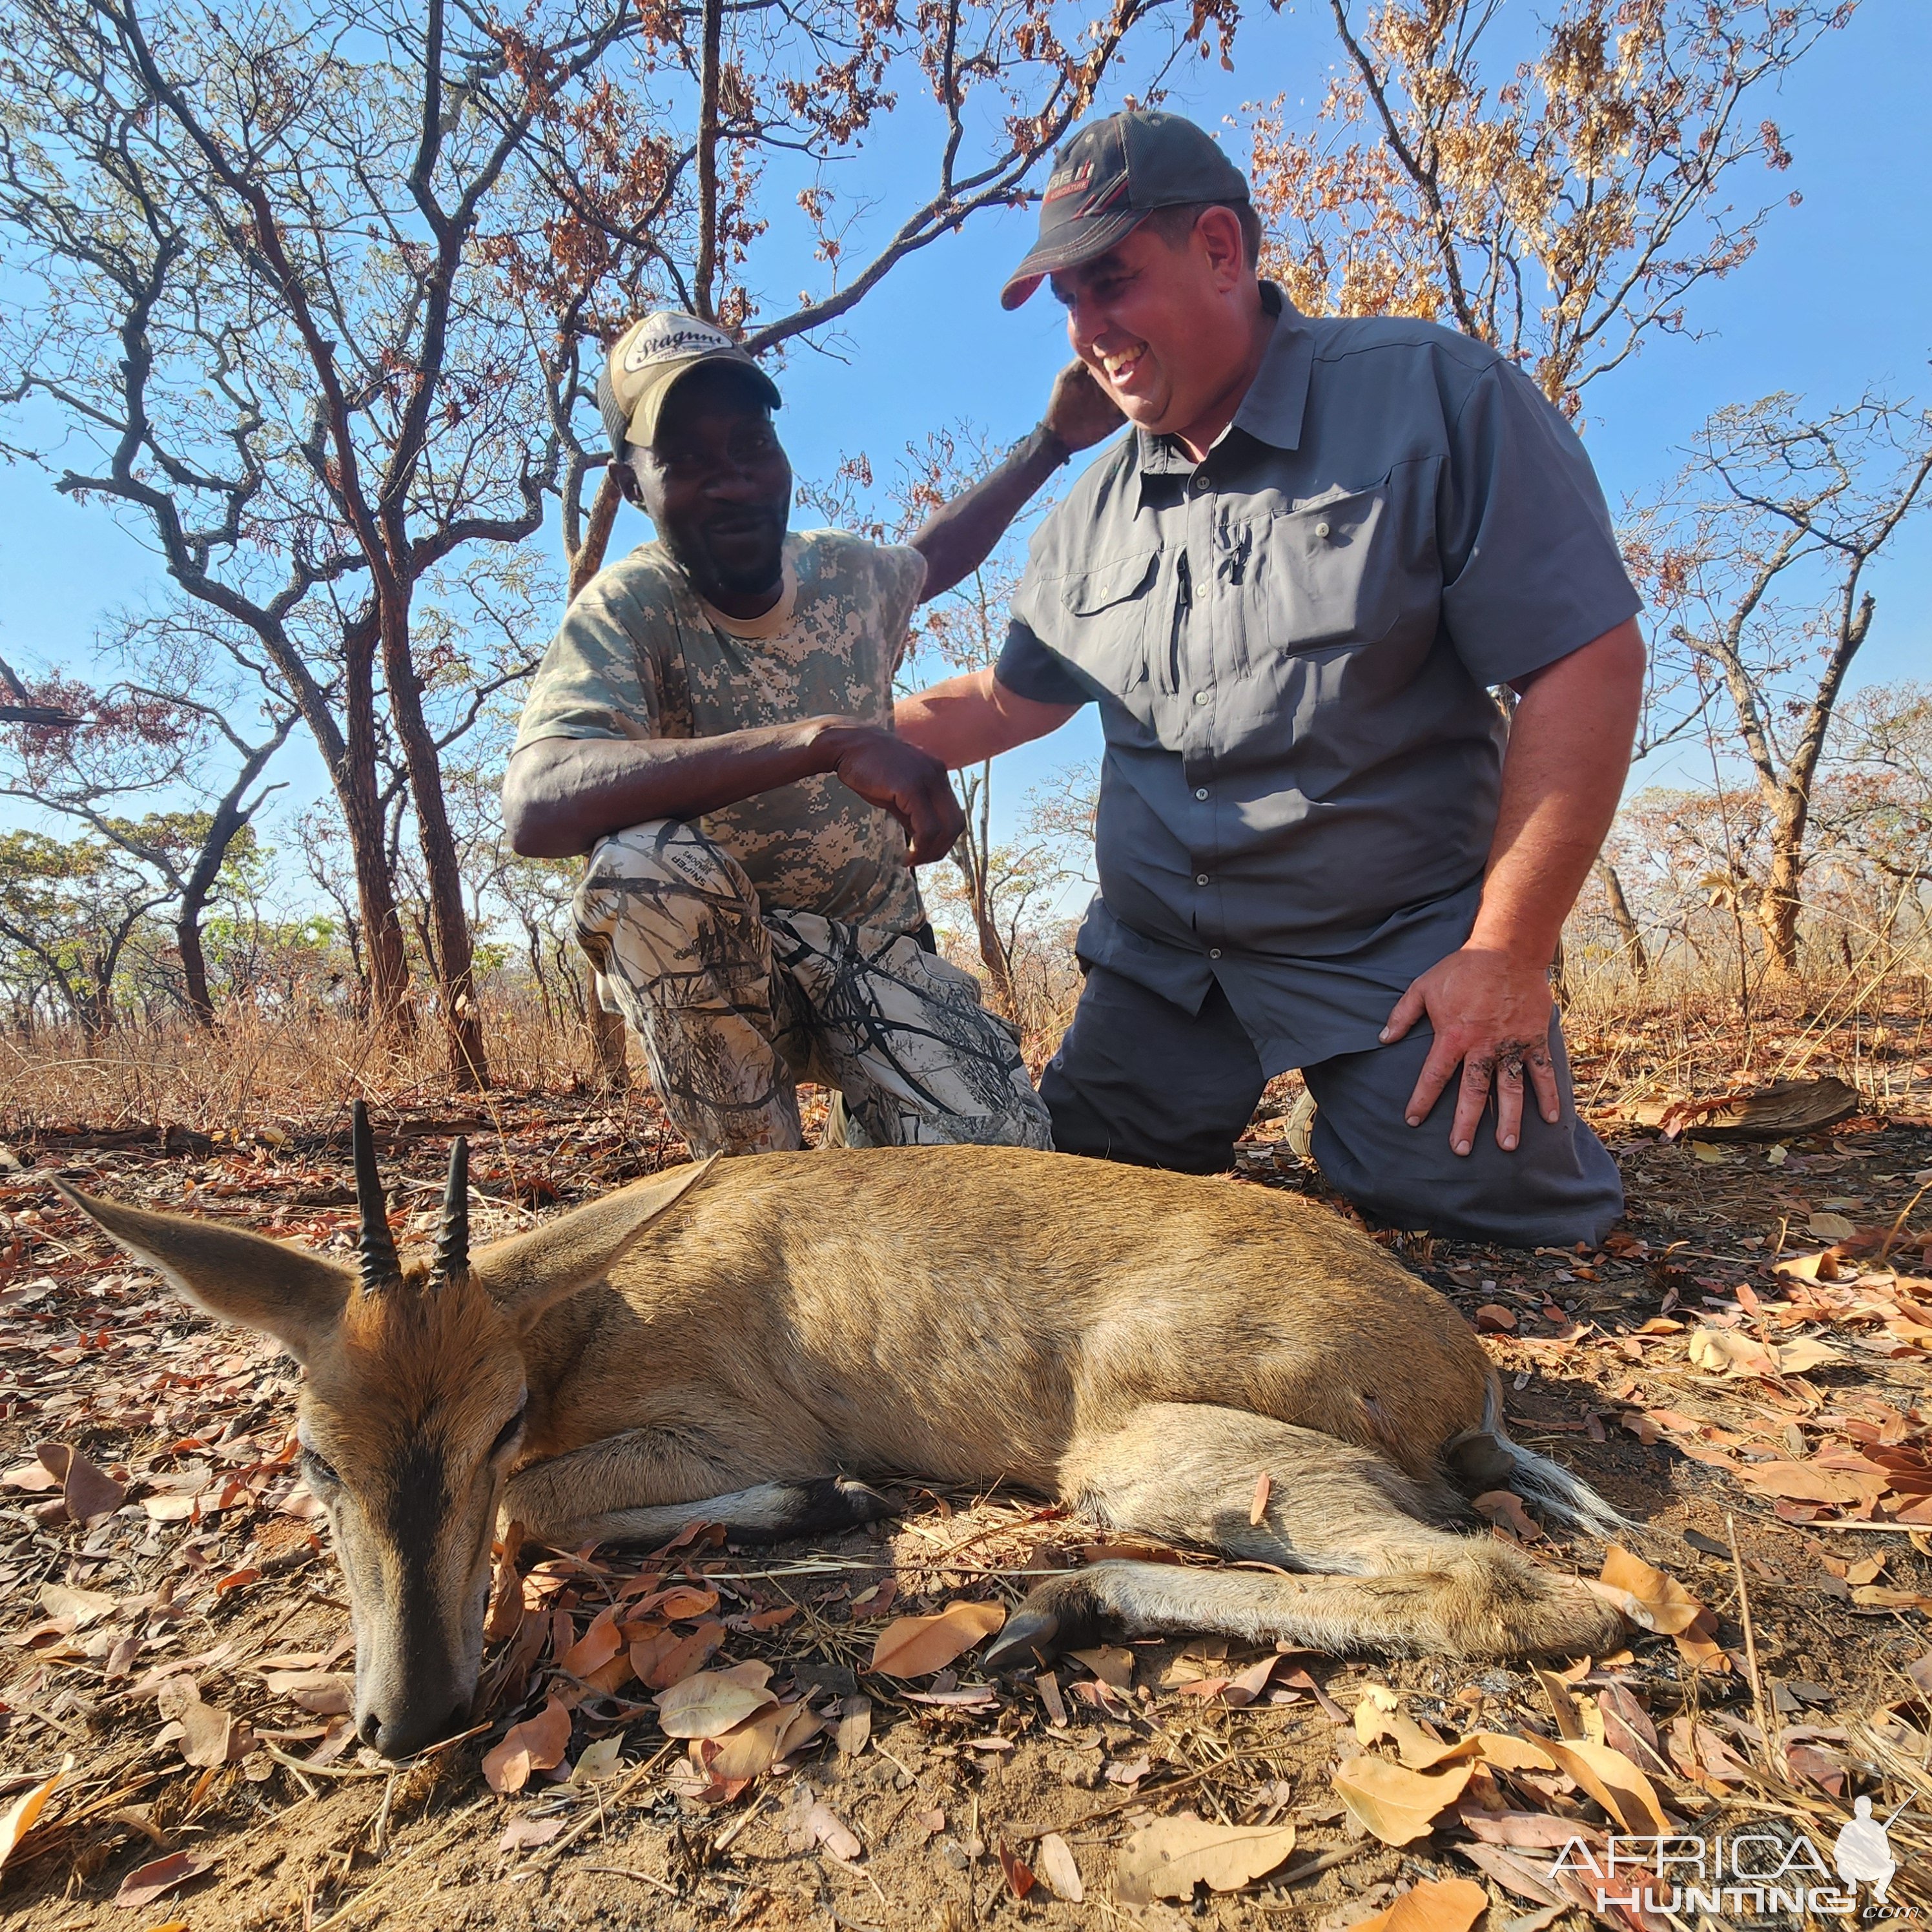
{"x": 561, "y": 795}
{"x": 960, "y": 535}
{"x": 1569, "y": 754}
{"x": 967, "y": 720}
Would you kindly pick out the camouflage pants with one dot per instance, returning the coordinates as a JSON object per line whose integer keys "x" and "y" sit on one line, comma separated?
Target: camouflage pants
{"x": 736, "y": 1002}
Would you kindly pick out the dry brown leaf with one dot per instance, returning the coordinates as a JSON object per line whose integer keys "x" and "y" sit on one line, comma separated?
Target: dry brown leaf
{"x": 666, "y": 1658}
{"x": 1111, "y": 1665}
{"x": 1058, "y": 1866}
{"x": 1397, "y": 1804}
{"x": 1882, "y": 1597}
{"x": 1019, "y": 1877}
{"x": 210, "y": 1736}
{"x": 917, "y": 1646}
{"x": 146, "y": 1883}
{"x": 713, "y": 1702}
{"x": 18, "y": 1819}
{"x": 1725, "y": 1351}
{"x": 748, "y": 1750}
{"x": 1612, "y": 1780}
{"x": 1258, "y": 1509}
{"x": 537, "y": 1743}
{"x": 1169, "y": 1858}
{"x": 1805, "y": 1482}
{"x": 1504, "y": 1507}
{"x": 831, "y": 1831}
{"x": 1435, "y": 1905}
{"x": 1525, "y": 1831}
{"x": 90, "y": 1493}
{"x": 1801, "y": 1356}
{"x": 855, "y": 1725}
{"x": 84, "y": 1606}
{"x": 595, "y": 1648}
{"x": 1661, "y": 1603}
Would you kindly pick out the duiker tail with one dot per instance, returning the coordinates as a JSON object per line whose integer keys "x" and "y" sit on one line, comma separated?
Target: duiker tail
{"x": 1487, "y": 1459}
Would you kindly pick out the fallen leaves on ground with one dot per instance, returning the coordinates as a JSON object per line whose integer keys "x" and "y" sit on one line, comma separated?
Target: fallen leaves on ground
{"x": 159, "y": 1876}
{"x": 713, "y": 1702}
{"x": 1169, "y": 1858}
{"x": 537, "y": 1743}
{"x": 1435, "y": 1905}
{"x": 1397, "y": 1804}
{"x": 919, "y": 1646}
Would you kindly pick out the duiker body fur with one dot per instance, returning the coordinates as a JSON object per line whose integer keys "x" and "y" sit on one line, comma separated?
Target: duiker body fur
{"x": 739, "y": 1343}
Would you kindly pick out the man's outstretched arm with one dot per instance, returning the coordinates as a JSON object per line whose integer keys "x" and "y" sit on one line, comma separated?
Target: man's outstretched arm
{"x": 561, "y": 795}
{"x": 967, "y": 720}
{"x": 1490, "y": 1001}
{"x": 960, "y": 535}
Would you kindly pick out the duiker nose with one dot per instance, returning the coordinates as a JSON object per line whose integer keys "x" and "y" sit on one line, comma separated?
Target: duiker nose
{"x": 402, "y": 1733}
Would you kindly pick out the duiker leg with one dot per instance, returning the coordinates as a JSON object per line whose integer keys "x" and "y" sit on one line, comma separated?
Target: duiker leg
{"x": 1384, "y": 1579}
{"x": 646, "y": 1486}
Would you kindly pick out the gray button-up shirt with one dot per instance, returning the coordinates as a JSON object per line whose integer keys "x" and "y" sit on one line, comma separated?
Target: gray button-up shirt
{"x": 1291, "y": 644}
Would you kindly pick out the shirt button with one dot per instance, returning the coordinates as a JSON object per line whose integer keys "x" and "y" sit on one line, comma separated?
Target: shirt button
{"x": 1201, "y": 878}
{"x": 1202, "y": 792}
{"x": 1200, "y": 482}
{"x": 1213, "y": 952}
{"x": 1321, "y": 530}
{"x": 1201, "y": 697}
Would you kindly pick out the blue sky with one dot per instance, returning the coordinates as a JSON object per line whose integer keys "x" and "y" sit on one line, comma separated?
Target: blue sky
{"x": 1838, "y": 296}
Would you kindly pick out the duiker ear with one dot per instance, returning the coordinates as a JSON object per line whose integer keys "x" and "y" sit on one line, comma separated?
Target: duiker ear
{"x": 240, "y": 1277}
{"x": 529, "y": 1273}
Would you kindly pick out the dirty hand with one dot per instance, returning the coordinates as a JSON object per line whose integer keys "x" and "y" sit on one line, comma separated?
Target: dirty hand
{"x": 1079, "y": 411}
{"x": 885, "y": 771}
{"x": 1491, "y": 1013}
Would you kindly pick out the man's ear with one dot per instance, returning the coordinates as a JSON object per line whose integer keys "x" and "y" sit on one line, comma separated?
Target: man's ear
{"x": 628, "y": 486}
{"x": 232, "y": 1274}
{"x": 532, "y": 1272}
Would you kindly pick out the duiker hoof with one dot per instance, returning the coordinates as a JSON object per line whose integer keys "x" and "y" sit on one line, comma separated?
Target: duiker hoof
{"x": 1029, "y": 1637}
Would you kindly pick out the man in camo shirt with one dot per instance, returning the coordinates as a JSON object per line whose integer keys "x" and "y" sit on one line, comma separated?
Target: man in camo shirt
{"x": 713, "y": 724}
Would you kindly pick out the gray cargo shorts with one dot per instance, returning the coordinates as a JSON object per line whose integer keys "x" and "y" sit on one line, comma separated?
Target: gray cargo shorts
{"x": 1138, "y": 1079}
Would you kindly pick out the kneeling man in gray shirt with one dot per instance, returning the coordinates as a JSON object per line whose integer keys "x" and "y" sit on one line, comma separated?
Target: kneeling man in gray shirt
{"x": 1289, "y": 588}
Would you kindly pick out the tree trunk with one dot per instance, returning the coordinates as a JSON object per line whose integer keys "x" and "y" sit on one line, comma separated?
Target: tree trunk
{"x": 194, "y": 961}
{"x": 589, "y": 558}
{"x": 1624, "y": 920}
{"x": 610, "y": 1038}
{"x": 1779, "y": 903}
{"x": 469, "y": 1066}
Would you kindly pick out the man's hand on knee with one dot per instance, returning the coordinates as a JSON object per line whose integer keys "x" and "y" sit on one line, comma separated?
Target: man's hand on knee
{"x": 1490, "y": 1012}
{"x": 884, "y": 770}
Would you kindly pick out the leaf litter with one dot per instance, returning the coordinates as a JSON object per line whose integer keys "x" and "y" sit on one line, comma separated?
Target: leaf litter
{"x": 162, "y": 1569}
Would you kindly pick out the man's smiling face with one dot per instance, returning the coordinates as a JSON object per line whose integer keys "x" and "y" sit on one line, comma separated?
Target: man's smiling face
{"x": 1154, "y": 322}
{"x": 716, "y": 483}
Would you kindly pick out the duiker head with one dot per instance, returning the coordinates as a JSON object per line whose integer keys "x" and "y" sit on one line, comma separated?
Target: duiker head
{"x": 412, "y": 1409}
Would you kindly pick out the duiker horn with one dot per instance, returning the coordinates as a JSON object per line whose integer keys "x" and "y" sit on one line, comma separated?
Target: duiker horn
{"x": 452, "y": 1244}
{"x": 380, "y": 1268}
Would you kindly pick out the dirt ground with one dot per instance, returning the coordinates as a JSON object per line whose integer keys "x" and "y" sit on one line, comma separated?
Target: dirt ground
{"x": 177, "y": 1657}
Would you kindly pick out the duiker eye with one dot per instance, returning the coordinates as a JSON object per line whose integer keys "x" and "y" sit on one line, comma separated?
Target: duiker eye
{"x": 316, "y": 1473}
{"x": 510, "y": 1431}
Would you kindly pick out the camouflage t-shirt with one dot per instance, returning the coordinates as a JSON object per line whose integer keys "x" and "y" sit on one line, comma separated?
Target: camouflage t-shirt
{"x": 640, "y": 655}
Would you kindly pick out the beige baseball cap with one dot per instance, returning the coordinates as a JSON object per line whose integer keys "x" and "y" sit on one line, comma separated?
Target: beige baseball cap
{"x": 646, "y": 363}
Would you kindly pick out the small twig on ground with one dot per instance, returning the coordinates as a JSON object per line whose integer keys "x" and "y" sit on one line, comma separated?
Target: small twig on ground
{"x": 1750, "y": 1647}
{"x": 550, "y": 1853}
{"x": 642, "y": 1878}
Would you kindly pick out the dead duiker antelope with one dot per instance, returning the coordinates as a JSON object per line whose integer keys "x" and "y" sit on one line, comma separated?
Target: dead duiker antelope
{"x": 736, "y": 1343}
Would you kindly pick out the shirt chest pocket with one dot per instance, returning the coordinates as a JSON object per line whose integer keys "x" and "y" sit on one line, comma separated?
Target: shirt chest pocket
{"x": 1336, "y": 574}
{"x": 1110, "y": 611}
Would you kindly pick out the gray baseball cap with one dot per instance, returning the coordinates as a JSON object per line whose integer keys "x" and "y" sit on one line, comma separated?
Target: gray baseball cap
{"x": 1108, "y": 179}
